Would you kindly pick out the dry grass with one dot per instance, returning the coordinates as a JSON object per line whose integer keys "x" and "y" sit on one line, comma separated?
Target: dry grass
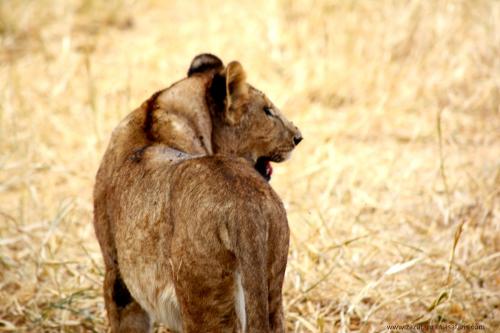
{"x": 393, "y": 197}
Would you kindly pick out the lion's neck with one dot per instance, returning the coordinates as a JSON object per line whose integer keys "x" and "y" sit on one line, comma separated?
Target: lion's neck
{"x": 227, "y": 141}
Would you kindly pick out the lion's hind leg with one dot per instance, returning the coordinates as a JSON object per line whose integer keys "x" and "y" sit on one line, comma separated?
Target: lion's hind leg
{"x": 125, "y": 315}
{"x": 205, "y": 281}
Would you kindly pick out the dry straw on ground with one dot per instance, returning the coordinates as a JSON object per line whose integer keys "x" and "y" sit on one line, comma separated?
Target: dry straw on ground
{"x": 393, "y": 197}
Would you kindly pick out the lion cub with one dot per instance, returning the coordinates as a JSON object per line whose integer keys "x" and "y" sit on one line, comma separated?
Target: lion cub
{"x": 191, "y": 233}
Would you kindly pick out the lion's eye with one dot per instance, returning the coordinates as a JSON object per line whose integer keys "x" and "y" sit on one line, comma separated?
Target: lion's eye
{"x": 268, "y": 111}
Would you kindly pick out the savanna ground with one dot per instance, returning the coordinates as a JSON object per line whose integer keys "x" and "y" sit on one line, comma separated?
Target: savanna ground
{"x": 393, "y": 197}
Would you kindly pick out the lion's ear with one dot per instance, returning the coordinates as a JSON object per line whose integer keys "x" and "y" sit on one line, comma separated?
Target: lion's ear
{"x": 236, "y": 92}
{"x": 204, "y": 62}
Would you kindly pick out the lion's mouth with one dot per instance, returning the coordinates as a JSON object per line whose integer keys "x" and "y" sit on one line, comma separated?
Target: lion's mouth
{"x": 263, "y": 166}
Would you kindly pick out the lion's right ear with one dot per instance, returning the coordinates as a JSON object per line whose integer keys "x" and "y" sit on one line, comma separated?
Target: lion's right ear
{"x": 236, "y": 92}
{"x": 204, "y": 62}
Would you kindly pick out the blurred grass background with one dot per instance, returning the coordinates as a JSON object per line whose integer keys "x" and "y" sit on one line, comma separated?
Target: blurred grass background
{"x": 393, "y": 197}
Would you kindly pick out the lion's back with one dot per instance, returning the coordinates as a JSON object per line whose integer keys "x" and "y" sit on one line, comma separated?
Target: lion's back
{"x": 221, "y": 179}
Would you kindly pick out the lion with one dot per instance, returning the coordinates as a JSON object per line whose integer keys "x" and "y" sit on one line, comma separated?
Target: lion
{"x": 192, "y": 234}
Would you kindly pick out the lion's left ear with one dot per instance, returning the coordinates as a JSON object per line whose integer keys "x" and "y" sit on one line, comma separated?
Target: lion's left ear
{"x": 203, "y": 63}
{"x": 236, "y": 92}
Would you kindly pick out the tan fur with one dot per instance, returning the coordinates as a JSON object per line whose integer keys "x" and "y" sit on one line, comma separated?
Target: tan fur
{"x": 191, "y": 234}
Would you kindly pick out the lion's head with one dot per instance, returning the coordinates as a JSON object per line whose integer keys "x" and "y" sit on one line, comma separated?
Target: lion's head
{"x": 245, "y": 122}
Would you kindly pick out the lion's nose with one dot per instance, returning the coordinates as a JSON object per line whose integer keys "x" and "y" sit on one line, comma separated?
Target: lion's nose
{"x": 297, "y": 138}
